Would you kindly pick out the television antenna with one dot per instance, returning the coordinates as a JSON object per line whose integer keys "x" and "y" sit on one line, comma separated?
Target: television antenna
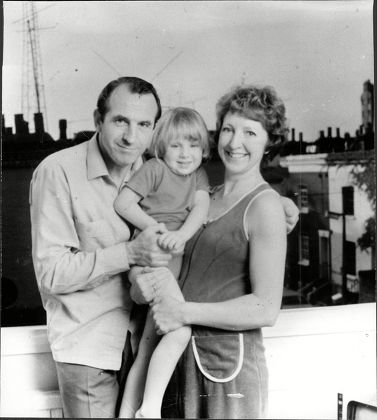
{"x": 32, "y": 88}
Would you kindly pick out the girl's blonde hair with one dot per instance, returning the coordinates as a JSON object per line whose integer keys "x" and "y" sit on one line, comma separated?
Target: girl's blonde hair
{"x": 179, "y": 122}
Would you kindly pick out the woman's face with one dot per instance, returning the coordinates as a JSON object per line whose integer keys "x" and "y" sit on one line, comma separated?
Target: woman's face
{"x": 242, "y": 142}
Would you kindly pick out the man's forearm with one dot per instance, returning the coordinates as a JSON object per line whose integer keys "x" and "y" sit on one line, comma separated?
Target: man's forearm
{"x": 65, "y": 271}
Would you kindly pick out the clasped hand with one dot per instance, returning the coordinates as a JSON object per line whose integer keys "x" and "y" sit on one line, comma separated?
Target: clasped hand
{"x": 148, "y": 286}
{"x": 166, "y": 314}
{"x": 173, "y": 241}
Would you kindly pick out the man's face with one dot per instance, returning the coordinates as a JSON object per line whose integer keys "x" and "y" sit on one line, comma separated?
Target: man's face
{"x": 127, "y": 128}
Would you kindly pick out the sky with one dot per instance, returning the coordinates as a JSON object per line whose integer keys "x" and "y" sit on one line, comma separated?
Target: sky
{"x": 316, "y": 54}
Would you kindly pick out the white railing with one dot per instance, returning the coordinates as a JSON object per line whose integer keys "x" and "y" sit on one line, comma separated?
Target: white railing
{"x": 312, "y": 353}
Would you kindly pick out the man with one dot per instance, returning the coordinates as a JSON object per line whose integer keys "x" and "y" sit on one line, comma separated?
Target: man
{"x": 82, "y": 248}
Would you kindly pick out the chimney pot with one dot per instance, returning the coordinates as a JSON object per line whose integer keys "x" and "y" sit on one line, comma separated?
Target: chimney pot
{"x": 63, "y": 129}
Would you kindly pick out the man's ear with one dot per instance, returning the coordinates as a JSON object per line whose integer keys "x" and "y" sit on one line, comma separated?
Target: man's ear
{"x": 97, "y": 119}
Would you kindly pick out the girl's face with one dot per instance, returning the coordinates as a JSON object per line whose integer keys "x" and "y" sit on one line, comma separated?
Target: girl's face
{"x": 183, "y": 156}
{"x": 242, "y": 142}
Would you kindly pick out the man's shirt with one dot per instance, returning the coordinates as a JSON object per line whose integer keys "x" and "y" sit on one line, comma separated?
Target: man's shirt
{"x": 79, "y": 256}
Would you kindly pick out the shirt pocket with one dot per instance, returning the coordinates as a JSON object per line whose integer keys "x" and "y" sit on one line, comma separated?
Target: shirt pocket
{"x": 94, "y": 235}
{"x": 219, "y": 357}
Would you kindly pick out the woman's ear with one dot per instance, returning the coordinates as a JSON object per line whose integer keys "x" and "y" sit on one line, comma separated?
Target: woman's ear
{"x": 268, "y": 147}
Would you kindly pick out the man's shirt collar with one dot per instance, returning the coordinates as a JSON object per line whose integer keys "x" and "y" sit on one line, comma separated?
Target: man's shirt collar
{"x": 96, "y": 165}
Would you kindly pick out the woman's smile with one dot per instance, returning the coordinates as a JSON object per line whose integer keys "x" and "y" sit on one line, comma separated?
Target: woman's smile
{"x": 236, "y": 155}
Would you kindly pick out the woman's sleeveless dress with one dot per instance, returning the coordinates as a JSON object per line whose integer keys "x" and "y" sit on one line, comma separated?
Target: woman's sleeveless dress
{"x": 222, "y": 373}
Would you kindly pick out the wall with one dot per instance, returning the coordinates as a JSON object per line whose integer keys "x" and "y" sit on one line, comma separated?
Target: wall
{"x": 313, "y": 354}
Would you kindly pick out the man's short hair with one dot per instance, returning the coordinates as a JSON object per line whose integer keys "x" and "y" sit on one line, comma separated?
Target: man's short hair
{"x": 135, "y": 85}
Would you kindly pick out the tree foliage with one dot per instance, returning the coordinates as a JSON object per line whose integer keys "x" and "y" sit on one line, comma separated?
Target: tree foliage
{"x": 365, "y": 180}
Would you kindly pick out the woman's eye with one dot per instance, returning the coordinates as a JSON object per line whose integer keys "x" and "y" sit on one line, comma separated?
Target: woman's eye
{"x": 250, "y": 133}
{"x": 226, "y": 129}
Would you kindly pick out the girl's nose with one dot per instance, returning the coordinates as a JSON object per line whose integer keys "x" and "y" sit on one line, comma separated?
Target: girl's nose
{"x": 184, "y": 151}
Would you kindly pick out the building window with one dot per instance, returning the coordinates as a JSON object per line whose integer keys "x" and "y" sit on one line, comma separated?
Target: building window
{"x": 304, "y": 250}
{"x": 303, "y": 198}
{"x": 350, "y": 258}
{"x": 347, "y": 197}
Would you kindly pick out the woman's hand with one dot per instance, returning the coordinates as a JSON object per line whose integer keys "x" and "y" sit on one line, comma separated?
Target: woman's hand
{"x": 167, "y": 314}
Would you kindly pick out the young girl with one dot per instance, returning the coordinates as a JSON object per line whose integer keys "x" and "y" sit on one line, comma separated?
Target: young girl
{"x": 170, "y": 188}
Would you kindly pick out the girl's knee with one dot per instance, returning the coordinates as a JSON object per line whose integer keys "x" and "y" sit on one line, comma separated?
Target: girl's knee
{"x": 183, "y": 335}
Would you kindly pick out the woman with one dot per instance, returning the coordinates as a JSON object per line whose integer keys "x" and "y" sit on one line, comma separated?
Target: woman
{"x": 233, "y": 270}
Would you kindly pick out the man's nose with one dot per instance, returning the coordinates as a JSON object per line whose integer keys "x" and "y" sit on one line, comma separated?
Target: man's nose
{"x": 129, "y": 134}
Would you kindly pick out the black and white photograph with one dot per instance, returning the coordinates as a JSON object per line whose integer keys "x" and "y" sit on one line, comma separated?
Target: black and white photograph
{"x": 188, "y": 210}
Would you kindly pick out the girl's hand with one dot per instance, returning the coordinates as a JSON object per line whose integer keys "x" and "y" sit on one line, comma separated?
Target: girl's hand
{"x": 172, "y": 241}
{"x": 167, "y": 314}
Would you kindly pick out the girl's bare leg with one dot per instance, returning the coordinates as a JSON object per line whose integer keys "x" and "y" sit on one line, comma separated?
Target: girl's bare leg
{"x": 161, "y": 367}
{"x": 134, "y": 390}
{"x": 164, "y": 360}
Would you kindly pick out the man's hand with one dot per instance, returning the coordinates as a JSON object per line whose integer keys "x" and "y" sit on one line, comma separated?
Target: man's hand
{"x": 167, "y": 314}
{"x": 144, "y": 249}
{"x": 291, "y": 213}
{"x": 147, "y": 283}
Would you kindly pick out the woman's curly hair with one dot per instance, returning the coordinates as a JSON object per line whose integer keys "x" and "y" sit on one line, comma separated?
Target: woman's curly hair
{"x": 257, "y": 103}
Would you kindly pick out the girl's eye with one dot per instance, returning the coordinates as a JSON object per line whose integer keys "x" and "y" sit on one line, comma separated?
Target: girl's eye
{"x": 195, "y": 145}
{"x": 226, "y": 129}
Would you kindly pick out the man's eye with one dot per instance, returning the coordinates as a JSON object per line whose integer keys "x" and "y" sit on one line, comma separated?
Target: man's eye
{"x": 173, "y": 145}
{"x": 120, "y": 123}
{"x": 195, "y": 145}
{"x": 145, "y": 125}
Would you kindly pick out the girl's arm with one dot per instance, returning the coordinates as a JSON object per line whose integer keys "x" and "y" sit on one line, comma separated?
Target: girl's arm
{"x": 267, "y": 232}
{"x": 197, "y": 216}
{"x": 127, "y": 206}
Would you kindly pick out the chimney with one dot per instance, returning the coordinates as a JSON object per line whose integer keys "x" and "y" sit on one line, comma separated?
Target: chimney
{"x": 338, "y": 133}
{"x": 300, "y": 136}
{"x": 63, "y": 129}
{"x": 321, "y": 134}
{"x": 293, "y": 134}
{"x": 329, "y": 133}
{"x": 22, "y": 127}
{"x": 38, "y": 123}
